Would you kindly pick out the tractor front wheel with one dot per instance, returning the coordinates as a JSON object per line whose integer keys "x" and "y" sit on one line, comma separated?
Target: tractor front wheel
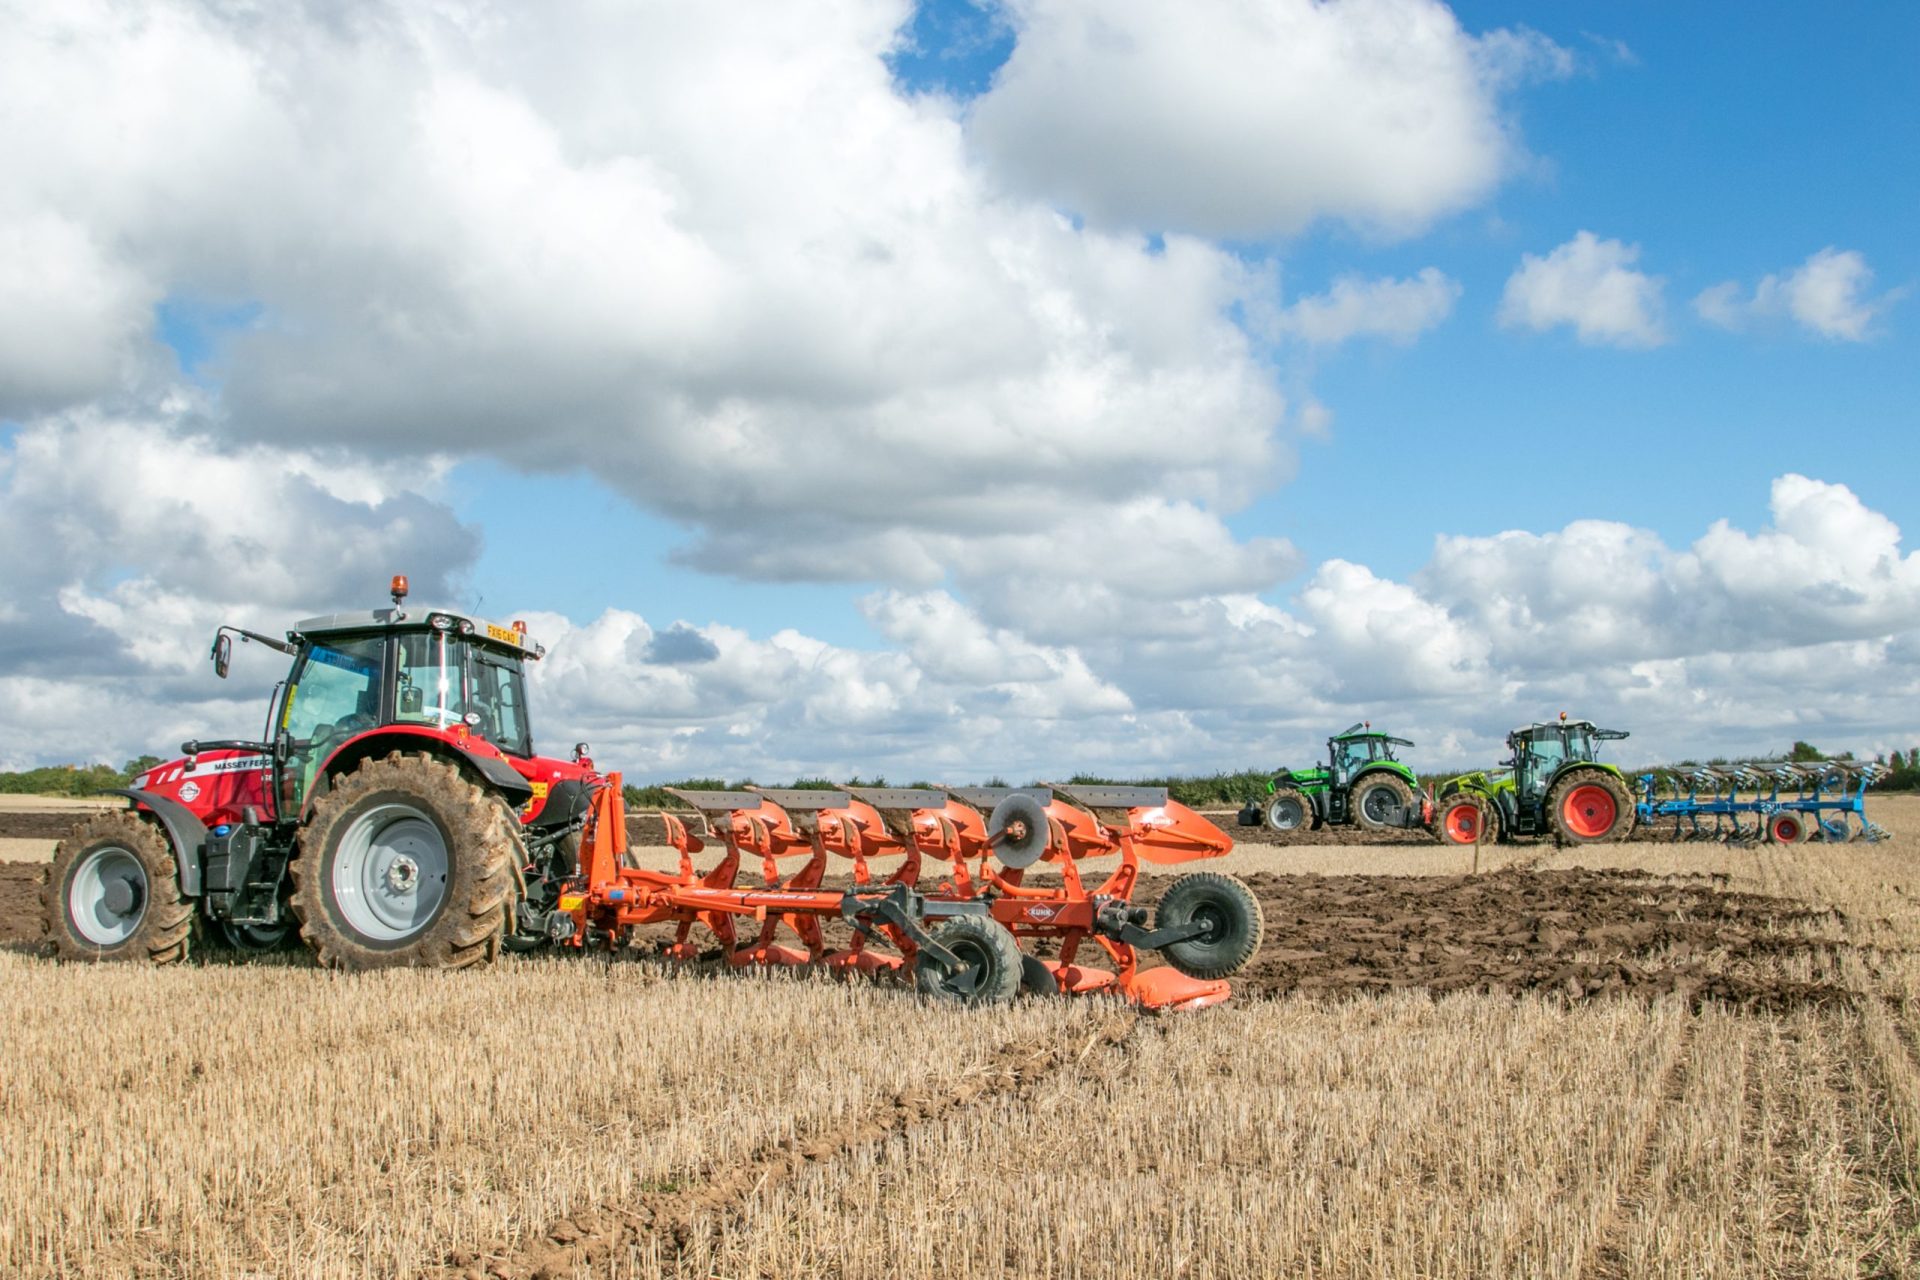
{"x": 114, "y": 894}
{"x": 1462, "y": 819}
{"x": 1590, "y": 806}
{"x": 1288, "y": 809}
{"x": 404, "y": 862}
{"x": 1382, "y": 802}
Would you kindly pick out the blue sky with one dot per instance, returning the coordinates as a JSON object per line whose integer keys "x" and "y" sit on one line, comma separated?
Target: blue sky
{"x": 1069, "y": 384}
{"x": 1727, "y": 145}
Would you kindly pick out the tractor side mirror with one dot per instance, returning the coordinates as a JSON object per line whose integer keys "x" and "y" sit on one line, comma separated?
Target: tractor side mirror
{"x": 413, "y": 700}
{"x": 222, "y": 654}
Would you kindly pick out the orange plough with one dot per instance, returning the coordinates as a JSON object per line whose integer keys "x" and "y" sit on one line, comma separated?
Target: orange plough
{"x": 938, "y": 887}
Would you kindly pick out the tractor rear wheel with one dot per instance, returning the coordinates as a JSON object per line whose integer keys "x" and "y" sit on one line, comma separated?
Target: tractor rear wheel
{"x": 1288, "y": 809}
{"x": 1589, "y": 806}
{"x": 1382, "y": 802}
{"x": 994, "y": 966}
{"x": 114, "y": 894}
{"x": 1462, "y": 819}
{"x": 404, "y": 862}
{"x": 1232, "y": 916}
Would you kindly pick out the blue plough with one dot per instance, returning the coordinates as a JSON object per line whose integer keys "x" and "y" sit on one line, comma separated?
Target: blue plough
{"x": 1775, "y": 801}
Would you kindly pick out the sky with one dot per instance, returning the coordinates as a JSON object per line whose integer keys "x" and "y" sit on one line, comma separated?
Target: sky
{"x": 962, "y": 389}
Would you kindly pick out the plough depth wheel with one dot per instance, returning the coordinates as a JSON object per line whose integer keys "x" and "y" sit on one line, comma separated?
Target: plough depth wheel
{"x": 1787, "y": 828}
{"x": 1590, "y": 806}
{"x": 992, "y": 958}
{"x": 1232, "y": 916}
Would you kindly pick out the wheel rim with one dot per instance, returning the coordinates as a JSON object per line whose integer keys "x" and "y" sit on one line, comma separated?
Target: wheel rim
{"x": 107, "y": 897}
{"x": 390, "y": 873}
{"x": 1589, "y": 810}
{"x": 1382, "y": 806}
{"x": 1786, "y": 830}
{"x": 1213, "y": 922}
{"x": 977, "y": 958}
{"x": 1285, "y": 814}
{"x": 1462, "y": 824}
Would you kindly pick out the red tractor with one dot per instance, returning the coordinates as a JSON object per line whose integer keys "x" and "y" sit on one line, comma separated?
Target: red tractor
{"x": 394, "y": 812}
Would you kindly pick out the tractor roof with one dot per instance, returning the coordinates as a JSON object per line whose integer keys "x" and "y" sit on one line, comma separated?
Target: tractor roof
{"x": 493, "y": 634}
{"x": 1365, "y": 730}
{"x": 1532, "y": 730}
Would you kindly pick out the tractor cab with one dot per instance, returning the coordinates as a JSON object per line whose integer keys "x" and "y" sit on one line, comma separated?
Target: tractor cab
{"x": 1541, "y": 752}
{"x": 432, "y": 671}
{"x": 1351, "y": 752}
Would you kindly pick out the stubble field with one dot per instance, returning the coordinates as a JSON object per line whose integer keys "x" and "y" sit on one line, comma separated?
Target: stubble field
{"x": 1643, "y": 1059}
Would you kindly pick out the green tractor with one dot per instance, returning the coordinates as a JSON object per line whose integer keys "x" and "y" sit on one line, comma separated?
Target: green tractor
{"x": 1553, "y": 785}
{"x": 1362, "y": 783}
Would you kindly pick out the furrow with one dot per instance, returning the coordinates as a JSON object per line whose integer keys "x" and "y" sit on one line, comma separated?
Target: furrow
{"x": 1609, "y": 1258}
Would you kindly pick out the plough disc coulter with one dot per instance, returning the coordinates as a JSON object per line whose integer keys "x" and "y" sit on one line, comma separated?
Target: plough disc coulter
{"x": 1774, "y": 801}
{"x": 938, "y": 888}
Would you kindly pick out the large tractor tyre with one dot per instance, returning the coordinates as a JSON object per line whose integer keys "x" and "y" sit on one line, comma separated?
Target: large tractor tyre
{"x": 994, "y": 967}
{"x": 404, "y": 862}
{"x": 1383, "y": 802}
{"x": 1232, "y": 916}
{"x": 1462, "y": 818}
{"x": 114, "y": 894}
{"x": 1589, "y": 806}
{"x": 1289, "y": 810}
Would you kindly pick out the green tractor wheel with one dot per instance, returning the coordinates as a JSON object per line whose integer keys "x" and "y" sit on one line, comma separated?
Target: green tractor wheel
{"x": 1288, "y": 809}
{"x": 1382, "y": 802}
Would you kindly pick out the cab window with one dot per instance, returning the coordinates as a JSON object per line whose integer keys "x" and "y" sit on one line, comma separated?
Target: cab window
{"x": 337, "y": 688}
{"x": 500, "y": 696}
{"x": 430, "y": 680}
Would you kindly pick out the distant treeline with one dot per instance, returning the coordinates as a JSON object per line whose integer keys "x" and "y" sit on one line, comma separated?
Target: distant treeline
{"x": 1219, "y": 790}
{"x": 73, "y": 779}
{"x": 1208, "y": 791}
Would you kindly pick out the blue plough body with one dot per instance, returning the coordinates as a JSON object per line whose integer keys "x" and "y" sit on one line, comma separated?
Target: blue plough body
{"x": 1827, "y": 797}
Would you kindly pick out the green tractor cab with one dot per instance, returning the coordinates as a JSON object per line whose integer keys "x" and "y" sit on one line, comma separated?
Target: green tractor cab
{"x": 1362, "y": 783}
{"x": 1553, "y": 784}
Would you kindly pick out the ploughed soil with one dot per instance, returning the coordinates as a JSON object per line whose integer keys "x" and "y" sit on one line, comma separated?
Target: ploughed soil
{"x": 1305, "y": 836}
{"x": 40, "y": 825}
{"x": 1574, "y": 935}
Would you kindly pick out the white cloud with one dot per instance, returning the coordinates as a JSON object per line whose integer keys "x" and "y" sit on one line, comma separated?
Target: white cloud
{"x": 1588, "y": 283}
{"x": 1398, "y": 310}
{"x": 1826, "y": 295}
{"x": 1247, "y": 118}
{"x": 1026, "y": 675}
{"x": 127, "y": 541}
{"x": 713, "y": 255}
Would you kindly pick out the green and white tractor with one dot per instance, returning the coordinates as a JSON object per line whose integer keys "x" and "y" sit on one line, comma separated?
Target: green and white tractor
{"x": 1553, "y": 784}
